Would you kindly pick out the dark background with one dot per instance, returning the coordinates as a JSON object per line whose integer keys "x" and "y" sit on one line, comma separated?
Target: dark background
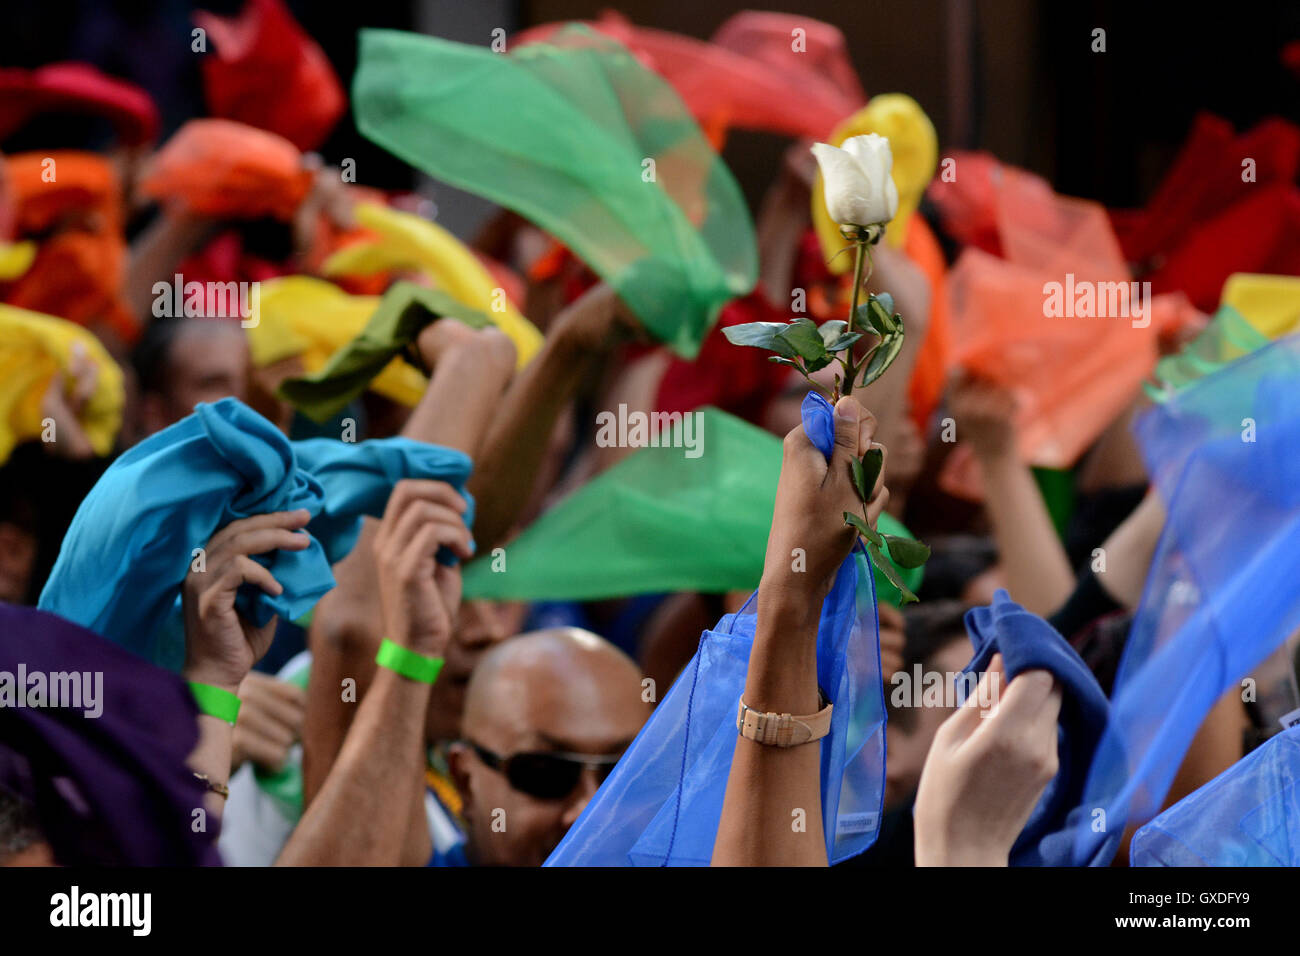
{"x": 1016, "y": 77}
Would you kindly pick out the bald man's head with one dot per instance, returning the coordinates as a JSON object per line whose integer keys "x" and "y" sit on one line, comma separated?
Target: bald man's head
{"x": 539, "y": 707}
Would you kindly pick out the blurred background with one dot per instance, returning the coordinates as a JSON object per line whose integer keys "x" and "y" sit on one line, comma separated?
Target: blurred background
{"x": 1015, "y": 77}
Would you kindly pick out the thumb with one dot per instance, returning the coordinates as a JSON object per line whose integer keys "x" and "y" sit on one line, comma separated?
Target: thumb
{"x": 847, "y": 413}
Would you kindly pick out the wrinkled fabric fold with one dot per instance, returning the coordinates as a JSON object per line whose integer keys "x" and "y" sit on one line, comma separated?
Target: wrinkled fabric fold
{"x": 266, "y": 71}
{"x": 1249, "y": 815}
{"x": 400, "y": 317}
{"x": 228, "y": 170}
{"x": 599, "y": 152}
{"x": 660, "y": 521}
{"x": 33, "y": 349}
{"x": 1027, "y": 642}
{"x": 1220, "y": 596}
{"x": 134, "y": 538}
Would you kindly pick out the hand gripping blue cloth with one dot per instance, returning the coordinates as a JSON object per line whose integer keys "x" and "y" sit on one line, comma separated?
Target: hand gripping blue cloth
{"x": 1249, "y": 815}
{"x": 662, "y": 803}
{"x": 1027, "y": 642}
{"x": 1221, "y": 594}
{"x": 133, "y": 539}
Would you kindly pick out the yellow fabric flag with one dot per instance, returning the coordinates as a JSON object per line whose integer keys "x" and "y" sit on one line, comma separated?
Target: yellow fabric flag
{"x": 1270, "y": 303}
{"x": 408, "y": 242}
{"x": 313, "y": 318}
{"x": 33, "y": 347}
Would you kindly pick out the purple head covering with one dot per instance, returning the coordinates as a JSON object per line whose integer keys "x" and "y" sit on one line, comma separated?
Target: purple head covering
{"x": 106, "y": 771}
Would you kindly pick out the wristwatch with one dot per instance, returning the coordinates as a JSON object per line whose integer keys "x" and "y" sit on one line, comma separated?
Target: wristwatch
{"x": 784, "y": 730}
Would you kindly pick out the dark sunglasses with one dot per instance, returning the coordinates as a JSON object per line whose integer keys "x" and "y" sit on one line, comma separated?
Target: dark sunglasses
{"x": 546, "y": 775}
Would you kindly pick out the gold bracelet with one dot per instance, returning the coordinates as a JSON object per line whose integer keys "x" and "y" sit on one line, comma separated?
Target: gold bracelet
{"x": 220, "y": 789}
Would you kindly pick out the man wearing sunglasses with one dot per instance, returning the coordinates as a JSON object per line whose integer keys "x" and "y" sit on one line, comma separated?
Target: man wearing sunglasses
{"x": 547, "y": 715}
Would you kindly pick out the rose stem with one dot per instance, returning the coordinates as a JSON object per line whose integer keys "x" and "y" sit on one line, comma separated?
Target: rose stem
{"x": 853, "y": 311}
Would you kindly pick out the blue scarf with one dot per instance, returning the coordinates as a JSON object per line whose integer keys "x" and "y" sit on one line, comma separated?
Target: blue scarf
{"x": 1027, "y": 642}
{"x": 134, "y": 537}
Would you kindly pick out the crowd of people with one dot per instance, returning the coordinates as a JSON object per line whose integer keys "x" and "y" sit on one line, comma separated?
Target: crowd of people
{"x": 317, "y": 546}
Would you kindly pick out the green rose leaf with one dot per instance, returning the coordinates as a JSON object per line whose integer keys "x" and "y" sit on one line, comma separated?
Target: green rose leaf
{"x": 843, "y": 342}
{"x": 881, "y": 358}
{"x": 886, "y": 568}
{"x": 859, "y": 478}
{"x": 872, "y": 462}
{"x": 802, "y": 336}
{"x": 761, "y": 335}
{"x": 859, "y": 523}
{"x": 906, "y": 552}
{"x": 832, "y": 330}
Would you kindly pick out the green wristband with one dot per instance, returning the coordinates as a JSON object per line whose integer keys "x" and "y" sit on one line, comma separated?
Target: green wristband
{"x": 408, "y": 663}
{"x": 215, "y": 702}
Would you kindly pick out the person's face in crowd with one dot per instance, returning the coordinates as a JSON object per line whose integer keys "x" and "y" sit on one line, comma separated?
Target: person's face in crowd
{"x": 207, "y": 361}
{"x": 17, "y": 558}
{"x": 549, "y": 693}
{"x": 480, "y": 626}
{"x": 911, "y": 730}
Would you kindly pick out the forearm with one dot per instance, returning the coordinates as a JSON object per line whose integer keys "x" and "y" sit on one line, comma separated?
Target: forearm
{"x": 772, "y": 814}
{"x": 469, "y": 378}
{"x": 343, "y": 648}
{"x": 517, "y": 438}
{"x": 1030, "y": 551}
{"x": 211, "y": 758}
{"x": 1129, "y": 550}
{"x": 348, "y": 623}
{"x": 158, "y": 251}
{"x": 362, "y": 814}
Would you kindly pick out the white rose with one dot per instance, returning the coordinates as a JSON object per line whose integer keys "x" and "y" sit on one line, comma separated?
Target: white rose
{"x": 858, "y": 185}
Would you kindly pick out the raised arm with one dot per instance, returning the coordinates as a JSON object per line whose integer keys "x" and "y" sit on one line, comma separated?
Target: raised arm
{"x": 470, "y": 370}
{"x": 361, "y": 815}
{"x": 1031, "y": 553}
{"x": 578, "y": 344}
{"x": 768, "y": 783}
{"x": 220, "y": 646}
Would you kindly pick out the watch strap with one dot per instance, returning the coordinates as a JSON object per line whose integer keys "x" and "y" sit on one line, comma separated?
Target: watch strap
{"x": 783, "y": 730}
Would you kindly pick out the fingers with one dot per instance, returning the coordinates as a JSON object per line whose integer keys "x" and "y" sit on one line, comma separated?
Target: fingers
{"x": 291, "y": 520}
{"x": 262, "y": 540}
{"x": 418, "y": 555}
{"x": 262, "y": 739}
{"x": 412, "y": 489}
{"x": 967, "y": 717}
{"x": 876, "y": 507}
{"x": 415, "y": 504}
{"x": 854, "y": 429}
{"x": 1033, "y": 697}
{"x": 799, "y": 450}
{"x": 245, "y": 570}
{"x": 848, "y": 422}
{"x": 280, "y": 700}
